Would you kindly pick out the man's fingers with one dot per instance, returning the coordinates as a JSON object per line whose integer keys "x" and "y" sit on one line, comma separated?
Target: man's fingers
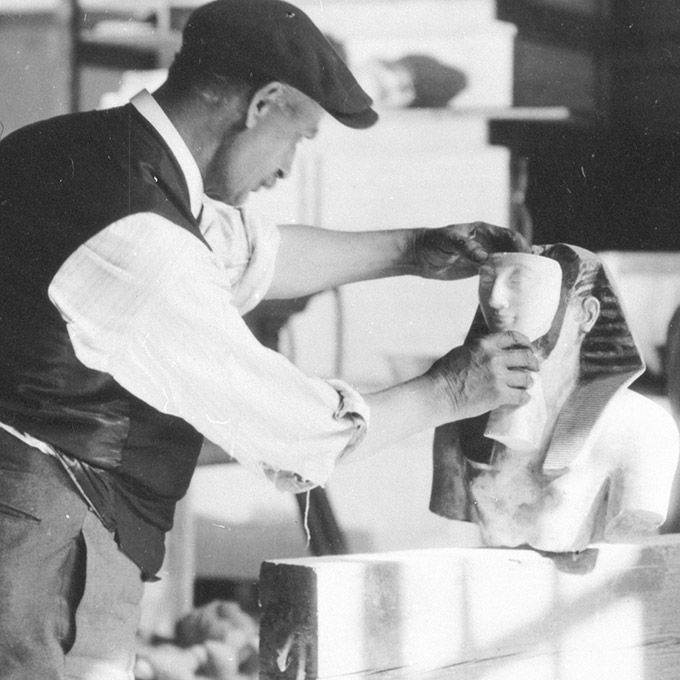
{"x": 476, "y": 240}
{"x": 521, "y": 359}
{"x": 451, "y": 242}
{"x": 498, "y": 239}
{"x": 474, "y": 251}
{"x": 519, "y": 241}
{"x": 517, "y": 352}
{"x": 507, "y": 339}
{"x": 488, "y": 372}
{"x": 519, "y": 380}
{"x": 517, "y": 398}
{"x": 468, "y": 246}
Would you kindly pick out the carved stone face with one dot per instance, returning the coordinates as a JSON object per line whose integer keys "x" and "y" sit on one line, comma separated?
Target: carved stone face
{"x": 519, "y": 291}
{"x": 583, "y": 468}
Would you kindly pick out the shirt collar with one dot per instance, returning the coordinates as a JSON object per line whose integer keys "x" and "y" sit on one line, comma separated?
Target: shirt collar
{"x": 154, "y": 114}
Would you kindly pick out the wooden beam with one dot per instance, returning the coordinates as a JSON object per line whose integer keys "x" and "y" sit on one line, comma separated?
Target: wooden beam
{"x": 459, "y": 614}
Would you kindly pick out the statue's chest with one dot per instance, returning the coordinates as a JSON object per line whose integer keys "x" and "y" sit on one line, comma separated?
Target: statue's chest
{"x": 519, "y": 503}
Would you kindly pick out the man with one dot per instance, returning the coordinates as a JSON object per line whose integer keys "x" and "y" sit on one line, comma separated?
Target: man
{"x": 127, "y": 258}
{"x": 586, "y": 459}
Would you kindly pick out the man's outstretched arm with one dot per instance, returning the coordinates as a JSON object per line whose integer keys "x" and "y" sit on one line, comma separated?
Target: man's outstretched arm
{"x": 311, "y": 259}
{"x": 472, "y": 379}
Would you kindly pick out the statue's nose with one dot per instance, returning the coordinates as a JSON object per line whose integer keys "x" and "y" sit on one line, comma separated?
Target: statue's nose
{"x": 498, "y": 298}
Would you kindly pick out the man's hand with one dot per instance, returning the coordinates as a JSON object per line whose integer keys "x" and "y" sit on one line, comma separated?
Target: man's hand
{"x": 457, "y": 251}
{"x": 487, "y": 373}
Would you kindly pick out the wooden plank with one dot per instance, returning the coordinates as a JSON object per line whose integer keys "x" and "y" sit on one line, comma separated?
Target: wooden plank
{"x": 608, "y": 612}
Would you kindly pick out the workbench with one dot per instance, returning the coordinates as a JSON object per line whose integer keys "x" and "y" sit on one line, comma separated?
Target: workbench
{"x": 475, "y": 613}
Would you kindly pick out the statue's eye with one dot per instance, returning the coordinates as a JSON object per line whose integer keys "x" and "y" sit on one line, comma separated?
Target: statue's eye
{"x": 521, "y": 278}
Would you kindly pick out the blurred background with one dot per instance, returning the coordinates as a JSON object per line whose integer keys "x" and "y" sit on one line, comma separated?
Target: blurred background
{"x": 558, "y": 118}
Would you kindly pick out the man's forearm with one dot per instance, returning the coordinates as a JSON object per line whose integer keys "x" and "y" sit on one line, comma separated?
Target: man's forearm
{"x": 469, "y": 380}
{"x": 312, "y": 259}
{"x": 401, "y": 411}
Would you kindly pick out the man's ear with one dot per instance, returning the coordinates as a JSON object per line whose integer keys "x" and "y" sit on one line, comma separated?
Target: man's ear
{"x": 262, "y": 102}
{"x": 590, "y": 309}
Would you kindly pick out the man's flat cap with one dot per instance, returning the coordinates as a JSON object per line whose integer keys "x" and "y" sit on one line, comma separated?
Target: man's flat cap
{"x": 272, "y": 40}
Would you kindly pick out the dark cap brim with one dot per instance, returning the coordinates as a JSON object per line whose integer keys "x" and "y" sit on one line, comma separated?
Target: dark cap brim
{"x": 359, "y": 121}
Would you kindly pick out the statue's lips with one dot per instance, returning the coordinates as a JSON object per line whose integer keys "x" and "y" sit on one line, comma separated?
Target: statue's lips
{"x": 500, "y": 322}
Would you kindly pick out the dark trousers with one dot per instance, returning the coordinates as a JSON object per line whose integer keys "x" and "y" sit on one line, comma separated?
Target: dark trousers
{"x": 69, "y": 599}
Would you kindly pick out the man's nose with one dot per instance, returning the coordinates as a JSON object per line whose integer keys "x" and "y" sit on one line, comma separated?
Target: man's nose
{"x": 286, "y": 165}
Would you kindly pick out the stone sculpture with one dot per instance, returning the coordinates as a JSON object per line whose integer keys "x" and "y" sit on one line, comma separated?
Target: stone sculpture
{"x": 586, "y": 459}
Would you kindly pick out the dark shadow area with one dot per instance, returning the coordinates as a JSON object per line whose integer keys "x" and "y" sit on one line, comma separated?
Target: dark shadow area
{"x": 244, "y": 592}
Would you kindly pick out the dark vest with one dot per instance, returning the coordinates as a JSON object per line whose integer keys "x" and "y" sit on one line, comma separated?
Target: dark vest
{"x": 62, "y": 181}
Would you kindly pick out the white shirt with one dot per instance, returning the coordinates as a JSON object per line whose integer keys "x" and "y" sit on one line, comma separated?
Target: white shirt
{"x": 148, "y": 303}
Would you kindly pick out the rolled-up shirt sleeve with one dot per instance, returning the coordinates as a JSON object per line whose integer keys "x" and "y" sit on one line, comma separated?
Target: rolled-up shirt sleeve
{"x": 148, "y": 303}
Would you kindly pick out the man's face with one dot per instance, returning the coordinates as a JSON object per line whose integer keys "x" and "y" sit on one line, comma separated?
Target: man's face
{"x": 262, "y": 153}
{"x": 519, "y": 291}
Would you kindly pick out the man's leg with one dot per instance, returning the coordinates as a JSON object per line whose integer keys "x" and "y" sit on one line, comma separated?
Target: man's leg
{"x": 41, "y": 562}
{"x": 69, "y": 599}
{"x": 108, "y": 614}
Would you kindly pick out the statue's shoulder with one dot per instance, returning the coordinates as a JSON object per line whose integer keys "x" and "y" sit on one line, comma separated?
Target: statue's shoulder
{"x": 633, "y": 402}
{"x": 640, "y": 418}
